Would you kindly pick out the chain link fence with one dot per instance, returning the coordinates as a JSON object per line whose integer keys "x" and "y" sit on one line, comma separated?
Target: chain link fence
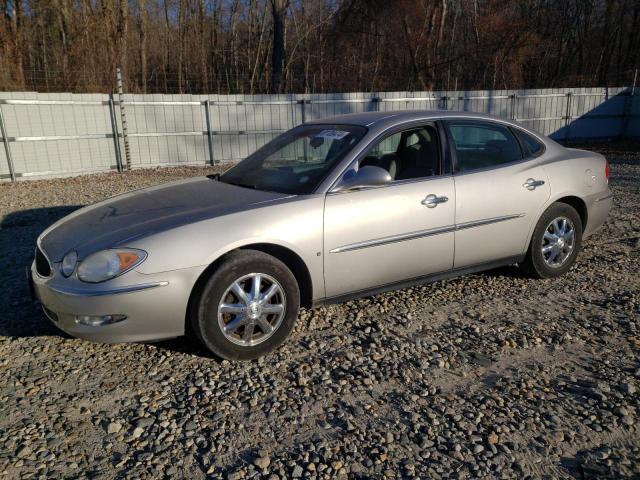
{"x": 59, "y": 134}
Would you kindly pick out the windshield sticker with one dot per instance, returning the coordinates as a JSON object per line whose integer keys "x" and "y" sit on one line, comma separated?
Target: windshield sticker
{"x": 332, "y": 134}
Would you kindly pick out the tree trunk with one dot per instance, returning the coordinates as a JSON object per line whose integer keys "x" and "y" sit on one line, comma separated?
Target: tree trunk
{"x": 14, "y": 11}
{"x": 63, "y": 27}
{"x": 123, "y": 17}
{"x": 165, "y": 51}
{"x": 181, "y": 15}
{"x": 258, "y": 53}
{"x": 234, "y": 47}
{"x": 413, "y": 52}
{"x": 143, "y": 44}
{"x": 204, "y": 80}
{"x": 278, "y": 11}
{"x": 605, "y": 49}
{"x": 215, "y": 68}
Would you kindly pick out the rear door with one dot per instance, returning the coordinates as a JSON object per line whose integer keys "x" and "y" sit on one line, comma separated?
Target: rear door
{"x": 499, "y": 192}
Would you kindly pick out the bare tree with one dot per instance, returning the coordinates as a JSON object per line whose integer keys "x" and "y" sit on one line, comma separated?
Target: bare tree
{"x": 181, "y": 40}
{"x": 14, "y": 12}
{"x": 278, "y": 11}
{"x": 121, "y": 35}
{"x": 142, "y": 27}
{"x": 257, "y": 57}
{"x": 204, "y": 80}
{"x": 202, "y": 46}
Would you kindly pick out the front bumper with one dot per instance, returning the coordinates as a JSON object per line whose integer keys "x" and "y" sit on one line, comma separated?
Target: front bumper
{"x": 155, "y": 305}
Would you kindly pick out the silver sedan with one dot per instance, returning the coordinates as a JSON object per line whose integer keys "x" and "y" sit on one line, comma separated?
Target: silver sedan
{"x": 330, "y": 210}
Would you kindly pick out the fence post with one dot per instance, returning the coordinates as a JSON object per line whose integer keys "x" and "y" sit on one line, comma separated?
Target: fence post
{"x": 114, "y": 130}
{"x": 628, "y": 107}
{"x": 445, "y": 102}
{"x": 513, "y": 106}
{"x": 376, "y": 102}
{"x": 123, "y": 118}
{"x": 303, "y": 118}
{"x": 567, "y": 118}
{"x": 7, "y": 148}
{"x": 209, "y": 135}
{"x": 626, "y": 113}
{"x": 303, "y": 110}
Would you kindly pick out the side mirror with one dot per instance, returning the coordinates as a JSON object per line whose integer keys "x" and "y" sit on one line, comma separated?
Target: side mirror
{"x": 366, "y": 177}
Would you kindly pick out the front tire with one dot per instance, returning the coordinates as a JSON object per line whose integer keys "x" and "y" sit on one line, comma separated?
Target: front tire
{"x": 555, "y": 243}
{"x": 247, "y": 307}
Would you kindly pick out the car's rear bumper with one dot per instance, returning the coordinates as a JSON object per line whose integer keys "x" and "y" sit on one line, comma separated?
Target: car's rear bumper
{"x": 154, "y": 305}
{"x": 598, "y": 207}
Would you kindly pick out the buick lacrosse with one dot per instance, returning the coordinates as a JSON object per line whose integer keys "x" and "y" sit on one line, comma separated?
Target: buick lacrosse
{"x": 335, "y": 209}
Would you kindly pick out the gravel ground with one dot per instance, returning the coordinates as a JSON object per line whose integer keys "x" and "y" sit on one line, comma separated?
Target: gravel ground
{"x": 490, "y": 375}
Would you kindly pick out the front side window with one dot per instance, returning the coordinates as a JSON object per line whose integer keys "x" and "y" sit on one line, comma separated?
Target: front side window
{"x": 297, "y": 161}
{"x": 482, "y": 145}
{"x": 413, "y": 153}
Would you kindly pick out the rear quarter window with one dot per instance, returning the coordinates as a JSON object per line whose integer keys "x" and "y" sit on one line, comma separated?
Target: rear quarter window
{"x": 532, "y": 145}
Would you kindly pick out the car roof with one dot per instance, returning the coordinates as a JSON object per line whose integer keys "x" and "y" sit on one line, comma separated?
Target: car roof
{"x": 379, "y": 119}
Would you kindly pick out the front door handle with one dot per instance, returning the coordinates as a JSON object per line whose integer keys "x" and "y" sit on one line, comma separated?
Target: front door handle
{"x": 432, "y": 201}
{"x": 532, "y": 183}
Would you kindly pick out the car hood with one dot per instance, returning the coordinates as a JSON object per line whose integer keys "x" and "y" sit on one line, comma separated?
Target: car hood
{"x": 140, "y": 213}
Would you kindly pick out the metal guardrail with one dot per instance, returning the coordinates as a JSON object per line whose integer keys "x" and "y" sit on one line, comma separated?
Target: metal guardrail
{"x": 443, "y": 102}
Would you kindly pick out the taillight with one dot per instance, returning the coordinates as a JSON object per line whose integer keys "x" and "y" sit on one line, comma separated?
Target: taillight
{"x": 606, "y": 170}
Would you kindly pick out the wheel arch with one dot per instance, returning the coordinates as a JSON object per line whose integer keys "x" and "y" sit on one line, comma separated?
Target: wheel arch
{"x": 294, "y": 262}
{"x": 287, "y": 256}
{"x": 572, "y": 200}
{"x": 579, "y": 205}
{"x": 534, "y": 263}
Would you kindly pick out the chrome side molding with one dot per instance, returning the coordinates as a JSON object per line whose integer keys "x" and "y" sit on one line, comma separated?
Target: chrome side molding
{"x": 85, "y": 292}
{"x": 487, "y": 221}
{"x": 423, "y": 233}
{"x": 394, "y": 239}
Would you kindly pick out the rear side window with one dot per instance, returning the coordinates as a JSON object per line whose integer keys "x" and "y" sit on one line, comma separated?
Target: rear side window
{"x": 481, "y": 145}
{"x": 534, "y": 147}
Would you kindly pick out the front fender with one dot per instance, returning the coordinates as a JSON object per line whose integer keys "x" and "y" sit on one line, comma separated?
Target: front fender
{"x": 295, "y": 225}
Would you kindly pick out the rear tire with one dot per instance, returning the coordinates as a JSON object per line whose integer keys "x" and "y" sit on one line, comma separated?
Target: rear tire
{"x": 555, "y": 242}
{"x": 247, "y": 307}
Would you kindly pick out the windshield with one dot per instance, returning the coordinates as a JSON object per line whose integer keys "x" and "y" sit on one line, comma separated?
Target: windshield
{"x": 296, "y": 161}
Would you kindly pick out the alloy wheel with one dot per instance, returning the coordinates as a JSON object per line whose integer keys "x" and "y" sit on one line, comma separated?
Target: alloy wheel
{"x": 558, "y": 242}
{"x": 251, "y": 309}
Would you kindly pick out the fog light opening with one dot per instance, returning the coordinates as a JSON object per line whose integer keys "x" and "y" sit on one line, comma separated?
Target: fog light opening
{"x": 53, "y": 316}
{"x": 99, "y": 320}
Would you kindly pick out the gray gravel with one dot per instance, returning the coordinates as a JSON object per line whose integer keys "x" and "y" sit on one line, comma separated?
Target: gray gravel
{"x": 490, "y": 375}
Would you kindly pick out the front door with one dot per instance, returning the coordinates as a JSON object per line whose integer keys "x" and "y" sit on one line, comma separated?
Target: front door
{"x": 379, "y": 236}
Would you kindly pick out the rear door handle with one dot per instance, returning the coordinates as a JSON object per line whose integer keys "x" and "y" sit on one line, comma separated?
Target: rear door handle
{"x": 532, "y": 183}
{"x": 432, "y": 201}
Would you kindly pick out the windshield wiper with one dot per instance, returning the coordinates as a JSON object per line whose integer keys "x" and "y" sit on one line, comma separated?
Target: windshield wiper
{"x": 243, "y": 185}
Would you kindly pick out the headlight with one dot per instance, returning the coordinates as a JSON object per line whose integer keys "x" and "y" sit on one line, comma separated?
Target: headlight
{"x": 69, "y": 263}
{"x": 108, "y": 264}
